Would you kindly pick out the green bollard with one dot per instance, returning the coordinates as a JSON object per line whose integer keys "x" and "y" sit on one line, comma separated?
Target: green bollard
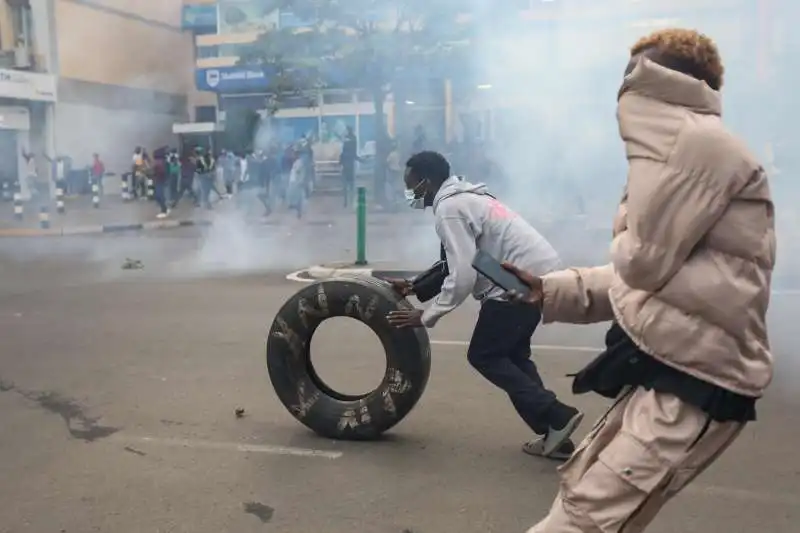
{"x": 361, "y": 227}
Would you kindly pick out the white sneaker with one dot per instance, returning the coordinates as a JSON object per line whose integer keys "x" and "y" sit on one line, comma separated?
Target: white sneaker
{"x": 161, "y": 215}
{"x": 556, "y": 437}
{"x": 536, "y": 448}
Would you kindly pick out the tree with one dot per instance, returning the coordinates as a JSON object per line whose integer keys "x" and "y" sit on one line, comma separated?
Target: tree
{"x": 358, "y": 44}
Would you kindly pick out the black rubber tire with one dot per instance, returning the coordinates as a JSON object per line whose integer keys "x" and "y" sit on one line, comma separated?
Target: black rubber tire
{"x": 305, "y": 395}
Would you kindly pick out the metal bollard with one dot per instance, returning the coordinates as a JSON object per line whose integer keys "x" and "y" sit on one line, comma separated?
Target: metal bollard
{"x": 44, "y": 218}
{"x": 126, "y": 194}
{"x": 361, "y": 226}
{"x": 95, "y": 195}
{"x": 19, "y": 208}
{"x": 151, "y": 190}
{"x": 60, "y": 200}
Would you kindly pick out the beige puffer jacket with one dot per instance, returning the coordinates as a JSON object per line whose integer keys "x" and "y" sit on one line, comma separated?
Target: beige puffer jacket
{"x": 694, "y": 239}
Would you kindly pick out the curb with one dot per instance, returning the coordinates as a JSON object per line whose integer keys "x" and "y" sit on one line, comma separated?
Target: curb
{"x": 96, "y": 230}
{"x": 331, "y": 222}
{"x": 337, "y": 271}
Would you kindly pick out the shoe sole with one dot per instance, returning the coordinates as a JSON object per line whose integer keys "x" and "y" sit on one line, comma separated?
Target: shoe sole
{"x": 555, "y": 456}
{"x": 560, "y": 436}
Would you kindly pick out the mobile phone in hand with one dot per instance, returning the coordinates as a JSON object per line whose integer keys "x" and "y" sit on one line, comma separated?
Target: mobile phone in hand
{"x": 493, "y": 270}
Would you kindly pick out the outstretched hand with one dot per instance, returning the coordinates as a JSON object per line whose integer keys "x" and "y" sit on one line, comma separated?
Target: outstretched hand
{"x": 403, "y": 287}
{"x": 534, "y": 283}
{"x": 406, "y": 318}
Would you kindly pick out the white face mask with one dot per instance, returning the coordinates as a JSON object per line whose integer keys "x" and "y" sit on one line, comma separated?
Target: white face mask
{"x": 412, "y": 201}
{"x": 411, "y": 196}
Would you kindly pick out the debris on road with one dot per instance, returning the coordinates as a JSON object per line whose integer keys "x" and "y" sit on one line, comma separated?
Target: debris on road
{"x": 134, "y": 451}
{"x": 239, "y": 412}
{"x": 132, "y": 264}
{"x": 259, "y": 510}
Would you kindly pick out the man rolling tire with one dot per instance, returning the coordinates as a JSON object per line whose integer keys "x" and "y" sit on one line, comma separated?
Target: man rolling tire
{"x": 469, "y": 219}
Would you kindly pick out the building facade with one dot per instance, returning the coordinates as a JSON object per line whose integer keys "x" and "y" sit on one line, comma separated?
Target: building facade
{"x": 28, "y": 87}
{"x": 79, "y": 77}
{"x": 583, "y": 41}
{"x": 124, "y": 76}
{"x": 223, "y": 28}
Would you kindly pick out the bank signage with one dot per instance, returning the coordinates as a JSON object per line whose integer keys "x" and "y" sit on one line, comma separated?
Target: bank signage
{"x": 25, "y": 85}
{"x": 232, "y": 79}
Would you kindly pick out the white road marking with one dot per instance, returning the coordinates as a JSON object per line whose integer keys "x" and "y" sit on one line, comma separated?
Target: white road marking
{"x": 228, "y": 446}
{"x": 543, "y": 347}
{"x": 712, "y": 491}
{"x": 732, "y": 493}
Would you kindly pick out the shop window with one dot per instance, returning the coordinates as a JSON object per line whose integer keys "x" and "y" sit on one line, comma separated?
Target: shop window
{"x": 337, "y": 98}
{"x": 205, "y": 113}
{"x": 205, "y": 52}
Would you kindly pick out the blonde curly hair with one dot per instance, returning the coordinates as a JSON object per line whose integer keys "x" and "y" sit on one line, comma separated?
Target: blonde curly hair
{"x": 687, "y": 51}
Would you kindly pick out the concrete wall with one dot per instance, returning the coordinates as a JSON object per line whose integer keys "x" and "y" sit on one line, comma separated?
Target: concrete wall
{"x": 126, "y": 74}
{"x": 112, "y": 120}
{"x": 100, "y": 42}
{"x": 6, "y": 27}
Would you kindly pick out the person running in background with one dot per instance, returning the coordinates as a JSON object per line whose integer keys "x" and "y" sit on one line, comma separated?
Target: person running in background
{"x": 287, "y": 162}
{"x": 174, "y": 175}
{"x": 97, "y": 172}
{"x": 206, "y": 174}
{"x": 348, "y": 159}
{"x": 263, "y": 168}
{"x": 227, "y": 166}
{"x": 160, "y": 172}
{"x": 296, "y": 190}
{"x": 395, "y": 173}
{"x": 188, "y": 170}
{"x": 138, "y": 173}
{"x": 38, "y": 189}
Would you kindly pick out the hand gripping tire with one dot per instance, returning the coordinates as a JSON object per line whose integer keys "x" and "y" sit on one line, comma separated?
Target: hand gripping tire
{"x": 325, "y": 411}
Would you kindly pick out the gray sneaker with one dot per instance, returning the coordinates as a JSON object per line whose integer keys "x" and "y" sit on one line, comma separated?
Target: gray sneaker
{"x": 557, "y": 436}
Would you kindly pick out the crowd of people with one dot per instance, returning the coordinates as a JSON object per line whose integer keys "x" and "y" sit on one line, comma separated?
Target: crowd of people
{"x": 277, "y": 175}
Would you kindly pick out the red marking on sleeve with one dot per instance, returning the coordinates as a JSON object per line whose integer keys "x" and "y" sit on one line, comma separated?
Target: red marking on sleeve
{"x": 499, "y": 211}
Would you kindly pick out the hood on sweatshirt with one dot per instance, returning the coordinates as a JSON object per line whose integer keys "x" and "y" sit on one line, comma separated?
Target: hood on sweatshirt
{"x": 458, "y": 185}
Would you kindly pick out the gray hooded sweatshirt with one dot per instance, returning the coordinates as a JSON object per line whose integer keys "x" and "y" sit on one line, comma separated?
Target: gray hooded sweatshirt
{"x": 468, "y": 220}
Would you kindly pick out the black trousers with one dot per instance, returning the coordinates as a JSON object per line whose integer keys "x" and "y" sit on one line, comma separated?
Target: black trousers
{"x": 500, "y": 349}
{"x": 348, "y": 183}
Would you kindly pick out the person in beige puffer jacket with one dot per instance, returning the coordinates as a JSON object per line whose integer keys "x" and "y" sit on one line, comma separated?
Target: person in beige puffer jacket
{"x": 687, "y": 292}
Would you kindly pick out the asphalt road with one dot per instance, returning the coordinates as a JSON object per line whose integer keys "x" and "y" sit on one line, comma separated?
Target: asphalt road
{"x": 119, "y": 390}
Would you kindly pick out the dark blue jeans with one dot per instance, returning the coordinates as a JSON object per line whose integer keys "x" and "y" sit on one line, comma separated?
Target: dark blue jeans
{"x": 500, "y": 349}
{"x": 206, "y": 186}
{"x": 160, "y": 194}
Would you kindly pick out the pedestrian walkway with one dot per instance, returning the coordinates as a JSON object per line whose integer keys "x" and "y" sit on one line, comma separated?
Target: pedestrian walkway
{"x": 80, "y": 216}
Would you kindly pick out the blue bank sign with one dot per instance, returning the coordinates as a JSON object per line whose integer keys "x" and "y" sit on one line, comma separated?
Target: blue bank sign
{"x": 232, "y": 79}
{"x": 243, "y": 79}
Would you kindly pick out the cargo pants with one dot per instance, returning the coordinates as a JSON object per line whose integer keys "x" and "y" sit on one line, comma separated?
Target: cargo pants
{"x": 647, "y": 448}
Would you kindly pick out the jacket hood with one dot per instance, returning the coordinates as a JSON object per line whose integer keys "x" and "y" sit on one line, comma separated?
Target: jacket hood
{"x": 651, "y": 80}
{"x": 457, "y": 185}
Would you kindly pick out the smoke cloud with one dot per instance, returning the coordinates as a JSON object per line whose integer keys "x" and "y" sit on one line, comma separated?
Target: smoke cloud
{"x": 545, "y": 101}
